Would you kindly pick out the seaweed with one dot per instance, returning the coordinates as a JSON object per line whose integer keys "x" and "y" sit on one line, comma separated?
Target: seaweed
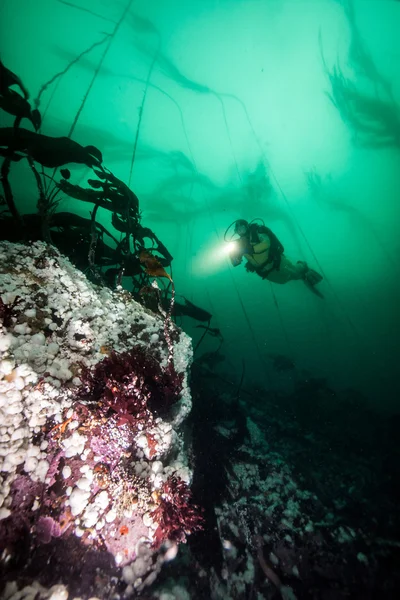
{"x": 44, "y": 87}
{"x": 97, "y": 71}
{"x": 46, "y": 150}
{"x": 359, "y": 56}
{"x": 8, "y": 195}
{"x": 14, "y": 103}
{"x": 47, "y": 201}
{"x": 105, "y": 191}
{"x": 133, "y": 385}
{"x": 176, "y": 515}
{"x": 141, "y": 115}
{"x": 83, "y": 9}
{"x": 375, "y": 121}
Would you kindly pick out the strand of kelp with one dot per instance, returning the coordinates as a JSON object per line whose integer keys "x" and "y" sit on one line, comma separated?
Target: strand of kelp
{"x": 86, "y": 10}
{"x": 67, "y": 68}
{"x": 359, "y": 57}
{"x": 58, "y": 76}
{"x": 153, "y": 62}
{"x": 375, "y": 121}
{"x": 103, "y": 56}
{"x": 179, "y": 78}
{"x": 109, "y": 38}
{"x": 204, "y": 89}
{"x": 143, "y": 25}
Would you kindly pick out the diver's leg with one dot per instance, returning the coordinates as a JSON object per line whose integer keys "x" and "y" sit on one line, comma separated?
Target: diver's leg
{"x": 288, "y": 271}
{"x": 310, "y": 276}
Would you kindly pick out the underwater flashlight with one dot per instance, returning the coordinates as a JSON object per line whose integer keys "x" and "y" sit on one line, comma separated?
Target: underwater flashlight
{"x": 236, "y": 249}
{"x": 231, "y": 248}
{"x": 236, "y": 246}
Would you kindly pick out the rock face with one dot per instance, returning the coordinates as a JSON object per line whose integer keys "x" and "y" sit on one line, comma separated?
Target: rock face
{"x": 93, "y": 470}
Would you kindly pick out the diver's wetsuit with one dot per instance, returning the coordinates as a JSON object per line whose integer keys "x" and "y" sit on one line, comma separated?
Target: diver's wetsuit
{"x": 267, "y": 257}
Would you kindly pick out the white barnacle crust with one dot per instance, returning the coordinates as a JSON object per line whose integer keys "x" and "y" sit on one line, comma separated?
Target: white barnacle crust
{"x": 103, "y": 485}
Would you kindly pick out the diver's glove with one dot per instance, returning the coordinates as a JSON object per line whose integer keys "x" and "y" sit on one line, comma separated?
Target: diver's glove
{"x": 249, "y": 267}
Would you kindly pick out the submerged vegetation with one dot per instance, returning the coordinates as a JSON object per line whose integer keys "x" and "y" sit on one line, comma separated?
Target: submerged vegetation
{"x": 375, "y": 122}
{"x": 367, "y": 105}
{"x": 106, "y": 191}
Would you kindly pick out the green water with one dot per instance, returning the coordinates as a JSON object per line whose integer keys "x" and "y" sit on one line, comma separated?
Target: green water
{"x": 236, "y": 113}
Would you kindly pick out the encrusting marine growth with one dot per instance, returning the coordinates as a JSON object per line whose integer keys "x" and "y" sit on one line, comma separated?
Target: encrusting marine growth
{"x": 94, "y": 476}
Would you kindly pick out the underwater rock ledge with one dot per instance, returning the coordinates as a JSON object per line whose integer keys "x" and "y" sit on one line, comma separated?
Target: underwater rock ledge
{"x": 94, "y": 474}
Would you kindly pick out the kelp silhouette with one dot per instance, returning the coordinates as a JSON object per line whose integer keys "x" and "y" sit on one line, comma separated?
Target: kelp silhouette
{"x": 82, "y": 239}
{"x": 373, "y": 118}
{"x": 191, "y": 310}
{"x": 8, "y": 78}
{"x": 46, "y": 150}
{"x": 194, "y": 311}
{"x": 111, "y": 194}
{"x": 360, "y": 58}
{"x": 72, "y": 62}
{"x": 106, "y": 191}
{"x": 14, "y": 103}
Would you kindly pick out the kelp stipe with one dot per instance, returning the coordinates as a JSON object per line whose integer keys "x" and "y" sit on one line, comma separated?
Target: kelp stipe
{"x": 95, "y": 74}
{"x": 59, "y": 75}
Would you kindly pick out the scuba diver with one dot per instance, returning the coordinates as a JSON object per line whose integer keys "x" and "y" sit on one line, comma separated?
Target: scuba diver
{"x": 265, "y": 256}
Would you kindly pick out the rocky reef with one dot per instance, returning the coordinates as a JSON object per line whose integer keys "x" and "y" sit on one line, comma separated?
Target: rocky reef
{"x": 94, "y": 470}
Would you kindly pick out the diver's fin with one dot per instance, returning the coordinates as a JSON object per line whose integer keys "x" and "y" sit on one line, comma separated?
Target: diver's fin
{"x": 313, "y": 289}
{"x": 309, "y": 275}
{"x": 312, "y": 277}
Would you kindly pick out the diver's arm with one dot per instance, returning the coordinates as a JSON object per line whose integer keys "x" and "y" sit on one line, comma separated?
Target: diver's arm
{"x": 250, "y": 268}
{"x": 236, "y": 260}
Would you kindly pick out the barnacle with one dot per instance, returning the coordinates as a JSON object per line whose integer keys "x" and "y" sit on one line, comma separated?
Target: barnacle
{"x": 129, "y": 490}
{"x": 101, "y": 474}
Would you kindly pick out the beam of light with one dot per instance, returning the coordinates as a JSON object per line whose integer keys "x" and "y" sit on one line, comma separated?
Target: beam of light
{"x": 229, "y": 247}
{"x": 213, "y": 258}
